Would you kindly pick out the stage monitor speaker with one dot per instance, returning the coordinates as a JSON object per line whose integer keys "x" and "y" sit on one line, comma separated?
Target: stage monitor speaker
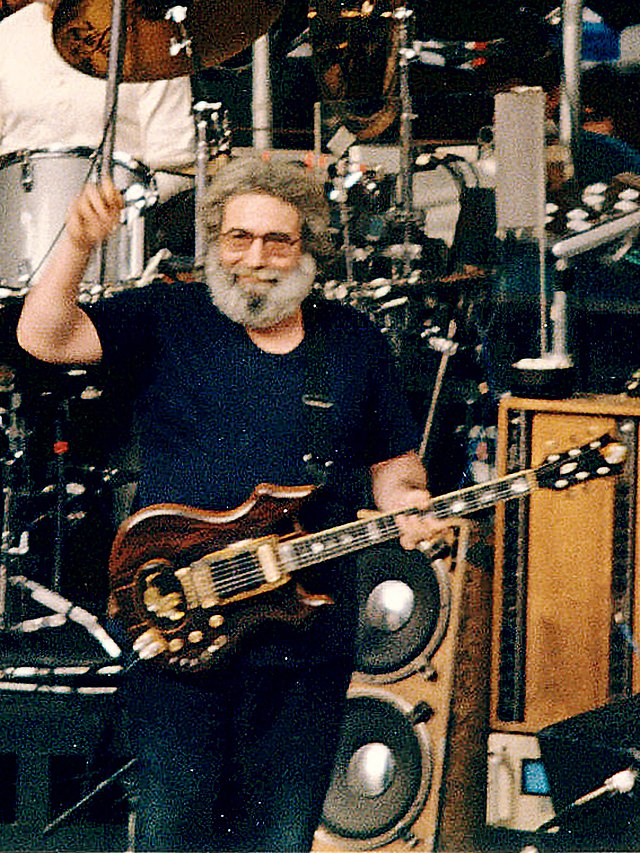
{"x": 51, "y": 759}
{"x": 566, "y": 582}
{"x": 582, "y": 757}
{"x": 411, "y": 765}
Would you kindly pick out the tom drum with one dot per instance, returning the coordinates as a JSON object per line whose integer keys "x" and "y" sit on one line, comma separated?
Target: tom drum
{"x": 36, "y": 188}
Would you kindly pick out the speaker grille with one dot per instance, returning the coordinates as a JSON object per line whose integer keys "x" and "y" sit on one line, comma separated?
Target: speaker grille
{"x": 383, "y": 770}
{"x": 566, "y": 581}
{"x": 404, "y": 610}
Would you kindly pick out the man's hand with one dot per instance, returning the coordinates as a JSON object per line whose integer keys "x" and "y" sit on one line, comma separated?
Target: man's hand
{"x": 94, "y": 214}
{"x": 419, "y": 528}
{"x": 399, "y": 484}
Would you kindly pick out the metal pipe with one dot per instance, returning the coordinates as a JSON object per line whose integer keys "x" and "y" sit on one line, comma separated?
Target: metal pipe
{"x": 570, "y": 107}
{"x": 117, "y": 47}
{"x": 261, "y": 96}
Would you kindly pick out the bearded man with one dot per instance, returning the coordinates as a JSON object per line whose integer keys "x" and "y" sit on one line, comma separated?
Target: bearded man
{"x": 230, "y": 377}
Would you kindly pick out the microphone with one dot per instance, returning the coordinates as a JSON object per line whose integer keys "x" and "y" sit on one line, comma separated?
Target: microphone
{"x": 622, "y": 782}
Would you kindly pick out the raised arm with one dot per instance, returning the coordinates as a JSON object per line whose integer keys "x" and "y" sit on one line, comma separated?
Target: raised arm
{"x": 52, "y": 327}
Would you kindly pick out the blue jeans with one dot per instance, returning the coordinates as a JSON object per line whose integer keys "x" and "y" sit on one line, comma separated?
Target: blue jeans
{"x": 241, "y": 763}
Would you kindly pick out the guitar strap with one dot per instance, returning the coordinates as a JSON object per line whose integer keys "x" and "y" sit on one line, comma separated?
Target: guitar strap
{"x": 319, "y": 405}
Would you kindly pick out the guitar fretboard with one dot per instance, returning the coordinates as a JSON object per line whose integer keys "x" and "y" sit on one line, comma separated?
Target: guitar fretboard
{"x": 328, "y": 545}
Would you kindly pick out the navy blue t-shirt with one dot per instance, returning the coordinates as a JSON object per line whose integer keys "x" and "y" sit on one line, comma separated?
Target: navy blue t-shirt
{"x": 217, "y": 416}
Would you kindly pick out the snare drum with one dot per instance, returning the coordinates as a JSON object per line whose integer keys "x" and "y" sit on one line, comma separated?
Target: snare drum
{"x": 36, "y": 188}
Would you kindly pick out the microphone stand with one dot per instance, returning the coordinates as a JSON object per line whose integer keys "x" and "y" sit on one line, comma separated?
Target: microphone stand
{"x": 60, "y": 449}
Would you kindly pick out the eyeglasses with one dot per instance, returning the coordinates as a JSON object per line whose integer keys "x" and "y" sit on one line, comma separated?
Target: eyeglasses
{"x": 275, "y": 244}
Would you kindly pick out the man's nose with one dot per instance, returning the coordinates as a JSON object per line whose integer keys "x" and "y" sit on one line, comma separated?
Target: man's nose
{"x": 255, "y": 255}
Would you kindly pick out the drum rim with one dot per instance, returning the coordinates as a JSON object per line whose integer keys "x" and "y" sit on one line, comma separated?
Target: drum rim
{"x": 120, "y": 158}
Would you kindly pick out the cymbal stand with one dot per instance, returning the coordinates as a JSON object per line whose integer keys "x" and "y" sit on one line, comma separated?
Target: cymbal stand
{"x": 405, "y": 206}
{"x": 339, "y": 194}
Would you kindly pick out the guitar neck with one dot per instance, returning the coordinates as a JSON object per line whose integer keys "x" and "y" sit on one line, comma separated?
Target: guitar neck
{"x": 314, "y": 548}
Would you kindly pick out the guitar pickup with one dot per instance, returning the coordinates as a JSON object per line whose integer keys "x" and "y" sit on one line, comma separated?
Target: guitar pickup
{"x": 233, "y": 572}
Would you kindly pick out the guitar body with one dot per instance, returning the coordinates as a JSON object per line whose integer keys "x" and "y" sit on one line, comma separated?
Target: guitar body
{"x": 165, "y": 608}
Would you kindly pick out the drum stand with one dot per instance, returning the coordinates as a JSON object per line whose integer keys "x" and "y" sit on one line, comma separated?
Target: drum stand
{"x": 15, "y": 531}
{"x": 13, "y": 452}
{"x": 212, "y": 137}
{"x": 406, "y": 141}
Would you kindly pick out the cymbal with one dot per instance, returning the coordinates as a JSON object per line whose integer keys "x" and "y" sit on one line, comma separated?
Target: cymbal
{"x": 217, "y": 30}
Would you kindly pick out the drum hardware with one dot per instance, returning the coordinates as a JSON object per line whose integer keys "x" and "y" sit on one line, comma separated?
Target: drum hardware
{"x": 37, "y": 516}
{"x": 182, "y": 44}
{"x": 213, "y": 136}
{"x": 62, "y": 610}
{"x": 178, "y": 223}
{"x": 405, "y": 208}
{"x": 344, "y": 174}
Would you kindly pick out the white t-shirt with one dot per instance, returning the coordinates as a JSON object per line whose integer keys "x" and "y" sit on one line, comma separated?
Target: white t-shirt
{"x": 45, "y": 102}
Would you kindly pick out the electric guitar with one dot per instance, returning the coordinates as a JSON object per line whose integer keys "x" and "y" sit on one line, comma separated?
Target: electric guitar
{"x": 185, "y": 581}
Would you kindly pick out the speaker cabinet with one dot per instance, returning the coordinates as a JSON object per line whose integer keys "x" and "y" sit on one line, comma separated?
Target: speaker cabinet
{"x": 410, "y": 768}
{"x": 50, "y": 761}
{"x": 565, "y": 601}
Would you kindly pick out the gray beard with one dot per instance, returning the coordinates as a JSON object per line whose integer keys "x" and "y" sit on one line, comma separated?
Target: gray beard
{"x": 277, "y": 296}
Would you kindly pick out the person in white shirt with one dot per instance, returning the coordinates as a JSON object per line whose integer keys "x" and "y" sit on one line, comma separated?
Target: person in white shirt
{"x": 45, "y": 102}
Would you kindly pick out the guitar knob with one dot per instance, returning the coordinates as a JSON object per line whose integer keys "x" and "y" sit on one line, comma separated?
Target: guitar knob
{"x": 216, "y": 621}
{"x": 211, "y": 650}
{"x": 195, "y": 637}
{"x": 149, "y": 644}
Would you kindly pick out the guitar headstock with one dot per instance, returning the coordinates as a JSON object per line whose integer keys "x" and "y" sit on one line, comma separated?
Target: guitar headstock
{"x": 600, "y": 457}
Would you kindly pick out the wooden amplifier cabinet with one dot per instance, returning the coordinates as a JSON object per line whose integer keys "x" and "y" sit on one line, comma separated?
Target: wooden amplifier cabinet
{"x": 411, "y": 766}
{"x": 566, "y": 597}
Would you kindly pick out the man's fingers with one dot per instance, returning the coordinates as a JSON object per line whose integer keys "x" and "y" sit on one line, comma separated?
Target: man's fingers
{"x": 414, "y": 529}
{"x": 95, "y": 213}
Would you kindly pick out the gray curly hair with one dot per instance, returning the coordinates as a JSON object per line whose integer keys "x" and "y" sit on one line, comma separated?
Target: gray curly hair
{"x": 287, "y": 181}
